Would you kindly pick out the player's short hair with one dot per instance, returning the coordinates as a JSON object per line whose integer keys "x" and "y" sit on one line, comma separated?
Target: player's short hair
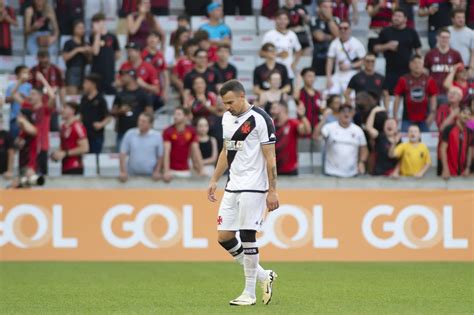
{"x": 224, "y": 46}
{"x": 231, "y": 86}
{"x": 184, "y": 17}
{"x": 189, "y": 43}
{"x": 457, "y": 11}
{"x": 19, "y": 69}
{"x": 94, "y": 78}
{"x": 281, "y": 12}
{"x": 200, "y": 50}
{"x": 150, "y": 117}
{"x": 98, "y": 17}
{"x": 416, "y": 56}
{"x": 74, "y": 106}
{"x": 443, "y": 30}
{"x": 186, "y": 111}
{"x": 401, "y": 11}
{"x": 306, "y": 70}
{"x": 201, "y": 35}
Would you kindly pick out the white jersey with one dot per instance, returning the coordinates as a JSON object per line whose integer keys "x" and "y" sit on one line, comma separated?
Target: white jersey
{"x": 342, "y": 148}
{"x": 244, "y": 136}
{"x": 284, "y": 42}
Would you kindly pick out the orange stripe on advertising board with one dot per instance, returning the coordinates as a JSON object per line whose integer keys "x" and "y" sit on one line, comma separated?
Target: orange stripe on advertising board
{"x": 180, "y": 225}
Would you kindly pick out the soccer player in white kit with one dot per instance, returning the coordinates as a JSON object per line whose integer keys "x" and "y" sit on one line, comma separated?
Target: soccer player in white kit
{"x": 249, "y": 153}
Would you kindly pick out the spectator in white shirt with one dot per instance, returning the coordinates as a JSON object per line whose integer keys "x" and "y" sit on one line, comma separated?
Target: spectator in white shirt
{"x": 462, "y": 37}
{"x": 286, "y": 42}
{"x": 346, "y": 146}
{"x": 347, "y": 53}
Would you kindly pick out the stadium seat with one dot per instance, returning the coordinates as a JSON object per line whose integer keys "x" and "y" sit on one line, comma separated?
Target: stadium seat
{"x": 168, "y": 23}
{"x": 109, "y": 164}
{"x": 380, "y": 65}
{"x": 54, "y": 140}
{"x": 30, "y": 61}
{"x": 197, "y": 21}
{"x": 241, "y": 24}
{"x": 122, "y": 39}
{"x": 90, "y": 165}
{"x": 264, "y": 24}
{"x": 18, "y": 44}
{"x": 243, "y": 62}
{"x": 247, "y": 81}
{"x": 8, "y": 63}
{"x": 111, "y": 24}
{"x": 110, "y": 101}
{"x": 249, "y": 43}
{"x": 305, "y": 61}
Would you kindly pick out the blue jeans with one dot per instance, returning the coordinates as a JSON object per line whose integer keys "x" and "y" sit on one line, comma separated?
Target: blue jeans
{"x": 406, "y": 123}
{"x": 432, "y": 39}
{"x": 32, "y": 44}
{"x": 14, "y": 128}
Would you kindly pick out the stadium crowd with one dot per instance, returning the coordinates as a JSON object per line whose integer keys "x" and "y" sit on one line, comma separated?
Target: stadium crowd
{"x": 356, "y": 115}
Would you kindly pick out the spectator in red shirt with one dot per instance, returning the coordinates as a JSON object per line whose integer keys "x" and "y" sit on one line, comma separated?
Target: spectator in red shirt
{"x": 7, "y": 18}
{"x": 288, "y": 131}
{"x": 380, "y": 12}
{"x": 184, "y": 65}
{"x": 181, "y": 143}
{"x": 309, "y": 97}
{"x": 458, "y": 77}
{"x": 73, "y": 141}
{"x": 201, "y": 102}
{"x": 51, "y": 73}
{"x": 41, "y": 106}
{"x": 154, "y": 56}
{"x": 456, "y": 146}
{"x": 440, "y": 60}
{"x": 141, "y": 23}
{"x": 446, "y": 115}
{"x": 27, "y": 143}
{"x": 419, "y": 93}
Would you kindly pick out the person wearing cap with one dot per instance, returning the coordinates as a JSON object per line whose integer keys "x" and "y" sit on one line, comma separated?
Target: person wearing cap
{"x": 129, "y": 103}
{"x": 105, "y": 52}
{"x": 219, "y": 32}
{"x": 147, "y": 77}
{"x": 73, "y": 141}
{"x": 346, "y": 150}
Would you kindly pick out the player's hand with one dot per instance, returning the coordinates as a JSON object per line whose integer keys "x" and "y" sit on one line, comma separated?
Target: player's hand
{"x": 272, "y": 201}
{"x": 211, "y": 192}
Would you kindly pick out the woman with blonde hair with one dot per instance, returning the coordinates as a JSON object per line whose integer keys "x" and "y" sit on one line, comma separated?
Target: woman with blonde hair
{"x": 41, "y": 28}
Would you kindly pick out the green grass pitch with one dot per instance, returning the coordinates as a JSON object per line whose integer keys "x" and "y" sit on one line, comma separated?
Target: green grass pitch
{"x": 206, "y": 288}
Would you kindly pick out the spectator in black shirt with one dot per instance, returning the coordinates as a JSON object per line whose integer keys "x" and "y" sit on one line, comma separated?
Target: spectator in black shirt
{"x": 201, "y": 68}
{"x": 398, "y": 43}
{"x": 76, "y": 53}
{"x": 324, "y": 28}
{"x": 226, "y": 70}
{"x": 439, "y": 16}
{"x": 261, "y": 74}
{"x": 129, "y": 104}
{"x": 106, "y": 50}
{"x": 94, "y": 113}
{"x": 298, "y": 19}
{"x": 366, "y": 80}
{"x": 7, "y": 152}
{"x": 382, "y": 141}
{"x": 67, "y": 13}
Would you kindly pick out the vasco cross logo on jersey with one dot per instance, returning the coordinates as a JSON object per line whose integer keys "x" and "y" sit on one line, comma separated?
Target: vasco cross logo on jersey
{"x": 246, "y": 127}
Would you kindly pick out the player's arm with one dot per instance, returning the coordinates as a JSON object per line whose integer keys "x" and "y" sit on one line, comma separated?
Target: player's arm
{"x": 270, "y": 158}
{"x": 218, "y": 172}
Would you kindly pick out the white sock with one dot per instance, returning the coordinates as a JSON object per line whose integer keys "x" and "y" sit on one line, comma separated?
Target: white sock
{"x": 234, "y": 247}
{"x": 251, "y": 258}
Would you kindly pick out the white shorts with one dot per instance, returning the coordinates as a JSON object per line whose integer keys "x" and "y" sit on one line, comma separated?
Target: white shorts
{"x": 241, "y": 211}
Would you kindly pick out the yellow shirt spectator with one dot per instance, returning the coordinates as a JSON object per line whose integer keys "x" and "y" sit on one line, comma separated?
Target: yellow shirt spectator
{"x": 413, "y": 157}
